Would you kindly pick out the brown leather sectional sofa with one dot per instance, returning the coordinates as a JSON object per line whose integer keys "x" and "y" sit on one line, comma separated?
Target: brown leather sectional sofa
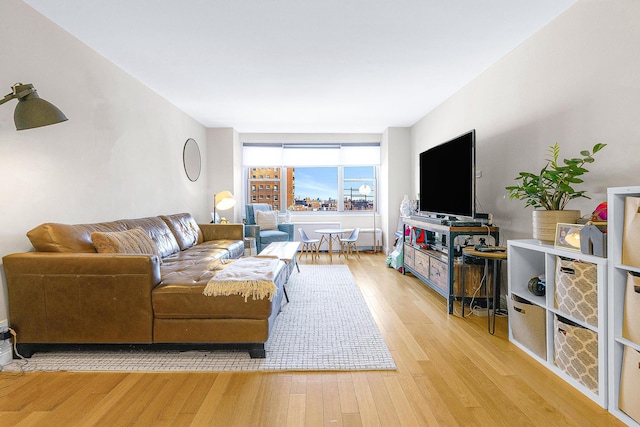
{"x": 66, "y": 292}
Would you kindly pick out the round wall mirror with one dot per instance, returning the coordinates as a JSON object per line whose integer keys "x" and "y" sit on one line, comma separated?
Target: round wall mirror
{"x": 191, "y": 159}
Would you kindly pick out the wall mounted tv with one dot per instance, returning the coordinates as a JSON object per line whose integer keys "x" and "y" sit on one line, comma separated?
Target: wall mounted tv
{"x": 447, "y": 178}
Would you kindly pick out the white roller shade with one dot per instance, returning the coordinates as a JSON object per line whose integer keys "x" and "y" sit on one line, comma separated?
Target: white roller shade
{"x": 291, "y": 155}
{"x": 360, "y": 155}
{"x": 262, "y": 155}
{"x": 316, "y": 155}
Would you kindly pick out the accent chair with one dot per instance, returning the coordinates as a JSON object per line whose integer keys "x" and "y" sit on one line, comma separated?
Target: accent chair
{"x": 262, "y": 224}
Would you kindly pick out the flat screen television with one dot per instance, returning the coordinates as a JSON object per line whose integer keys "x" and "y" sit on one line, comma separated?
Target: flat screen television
{"x": 447, "y": 178}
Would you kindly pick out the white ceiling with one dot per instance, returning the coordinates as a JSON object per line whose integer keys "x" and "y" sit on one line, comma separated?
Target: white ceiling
{"x": 303, "y": 65}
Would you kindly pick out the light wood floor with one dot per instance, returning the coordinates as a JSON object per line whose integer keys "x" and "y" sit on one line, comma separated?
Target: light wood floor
{"x": 450, "y": 372}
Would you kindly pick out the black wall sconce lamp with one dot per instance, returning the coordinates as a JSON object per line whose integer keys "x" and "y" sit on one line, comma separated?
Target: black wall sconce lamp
{"x": 32, "y": 111}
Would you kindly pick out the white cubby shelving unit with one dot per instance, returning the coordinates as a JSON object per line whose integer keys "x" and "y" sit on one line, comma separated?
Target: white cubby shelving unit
{"x": 530, "y": 258}
{"x": 618, "y": 272}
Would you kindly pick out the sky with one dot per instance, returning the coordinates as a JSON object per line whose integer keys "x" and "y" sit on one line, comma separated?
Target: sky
{"x": 322, "y": 182}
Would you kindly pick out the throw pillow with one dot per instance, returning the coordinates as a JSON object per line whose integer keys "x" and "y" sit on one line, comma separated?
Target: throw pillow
{"x": 134, "y": 241}
{"x": 267, "y": 220}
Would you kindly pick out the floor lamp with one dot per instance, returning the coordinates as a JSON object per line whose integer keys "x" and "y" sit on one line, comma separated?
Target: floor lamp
{"x": 222, "y": 201}
{"x": 365, "y": 190}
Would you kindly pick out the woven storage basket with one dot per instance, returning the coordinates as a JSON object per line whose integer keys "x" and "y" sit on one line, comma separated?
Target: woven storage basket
{"x": 576, "y": 352}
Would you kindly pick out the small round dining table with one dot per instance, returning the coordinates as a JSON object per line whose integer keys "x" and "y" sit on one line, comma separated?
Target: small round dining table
{"x": 330, "y": 235}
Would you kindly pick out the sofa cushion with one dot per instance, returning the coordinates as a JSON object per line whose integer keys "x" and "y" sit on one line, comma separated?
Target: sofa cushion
{"x": 267, "y": 220}
{"x": 184, "y": 228}
{"x": 135, "y": 241}
{"x": 55, "y": 237}
{"x": 180, "y": 295}
{"x": 158, "y": 230}
{"x": 271, "y": 236}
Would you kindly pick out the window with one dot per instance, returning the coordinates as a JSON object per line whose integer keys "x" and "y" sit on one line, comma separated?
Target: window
{"x": 316, "y": 189}
{"x": 358, "y": 188}
{"x": 314, "y": 177}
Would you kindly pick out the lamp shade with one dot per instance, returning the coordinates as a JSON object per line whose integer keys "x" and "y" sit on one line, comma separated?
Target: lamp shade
{"x": 33, "y": 111}
{"x": 364, "y": 189}
{"x": 224, "y": 200}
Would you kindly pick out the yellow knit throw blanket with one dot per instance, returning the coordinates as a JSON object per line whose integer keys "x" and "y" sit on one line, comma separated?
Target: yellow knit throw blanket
{"x": 252, "y": 276}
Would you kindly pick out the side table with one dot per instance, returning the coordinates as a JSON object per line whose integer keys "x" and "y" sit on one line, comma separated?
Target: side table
{"x": 496, "y": 257}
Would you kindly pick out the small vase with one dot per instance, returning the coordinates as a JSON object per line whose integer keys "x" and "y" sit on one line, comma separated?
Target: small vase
{"x": 287, "y": 216}
{"x": 544, "y": 223}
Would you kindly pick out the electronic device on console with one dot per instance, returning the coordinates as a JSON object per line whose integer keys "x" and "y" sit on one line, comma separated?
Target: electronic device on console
{"x": 481, "y": 244}
{"x": 483, "y": 247}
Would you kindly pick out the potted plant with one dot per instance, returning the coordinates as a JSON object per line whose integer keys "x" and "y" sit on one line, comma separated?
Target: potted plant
{"x": 552, "y": 188}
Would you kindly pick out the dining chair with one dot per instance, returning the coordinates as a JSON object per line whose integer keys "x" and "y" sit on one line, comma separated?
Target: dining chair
{"x": 349, "y": 243}
{"x": 309, "y": 245}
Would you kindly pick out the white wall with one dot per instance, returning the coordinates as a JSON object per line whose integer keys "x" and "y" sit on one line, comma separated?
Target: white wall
{"x": 396, "y": 167}
{"x": 118, "y": 156}
{"x": 575, "y": 82}
{"x": 224, "y": 163}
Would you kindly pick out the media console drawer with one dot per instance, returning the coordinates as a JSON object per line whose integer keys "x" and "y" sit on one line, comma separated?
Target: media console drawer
{"x": 409, "y": 256}
{"x": 422, "y": 263}
{"x": 439, "y": 274}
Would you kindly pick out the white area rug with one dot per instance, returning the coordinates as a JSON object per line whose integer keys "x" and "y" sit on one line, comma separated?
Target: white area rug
{"x": 325, "y": 326}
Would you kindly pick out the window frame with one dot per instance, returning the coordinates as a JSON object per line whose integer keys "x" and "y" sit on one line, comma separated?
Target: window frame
{"x": 281, "y": 173}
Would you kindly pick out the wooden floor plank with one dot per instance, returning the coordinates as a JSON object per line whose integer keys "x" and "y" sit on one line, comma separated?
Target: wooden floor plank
{"x": 209, "y": 406}
{"x": 402, "y": 407}
{"x": 348, "y": 400}
{"x": 314, "y": 406}
{"x": 112, "y": 400}
{"x": 366, "y": 402}
{"x": 296, "y": 413}
{"x": 332, "y": 411}
{"x": 279, "y": 400}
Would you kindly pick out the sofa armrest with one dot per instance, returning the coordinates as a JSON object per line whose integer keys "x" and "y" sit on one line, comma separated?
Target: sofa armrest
{"x": 222, "y": 231}
{"x": 287, "y": 228}
{"x": 81, "y": 297}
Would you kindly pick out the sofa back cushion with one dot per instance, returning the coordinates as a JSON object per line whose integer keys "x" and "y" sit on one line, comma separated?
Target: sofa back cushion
{"x": 159, "y": 232}
{"x": 55, "y": 237}
{"x": 184, "y": 228}
{"x": 135, "y": 241}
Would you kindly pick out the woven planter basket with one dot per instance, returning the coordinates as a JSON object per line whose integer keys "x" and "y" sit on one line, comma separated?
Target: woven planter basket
{"x": 544, "y": 223}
